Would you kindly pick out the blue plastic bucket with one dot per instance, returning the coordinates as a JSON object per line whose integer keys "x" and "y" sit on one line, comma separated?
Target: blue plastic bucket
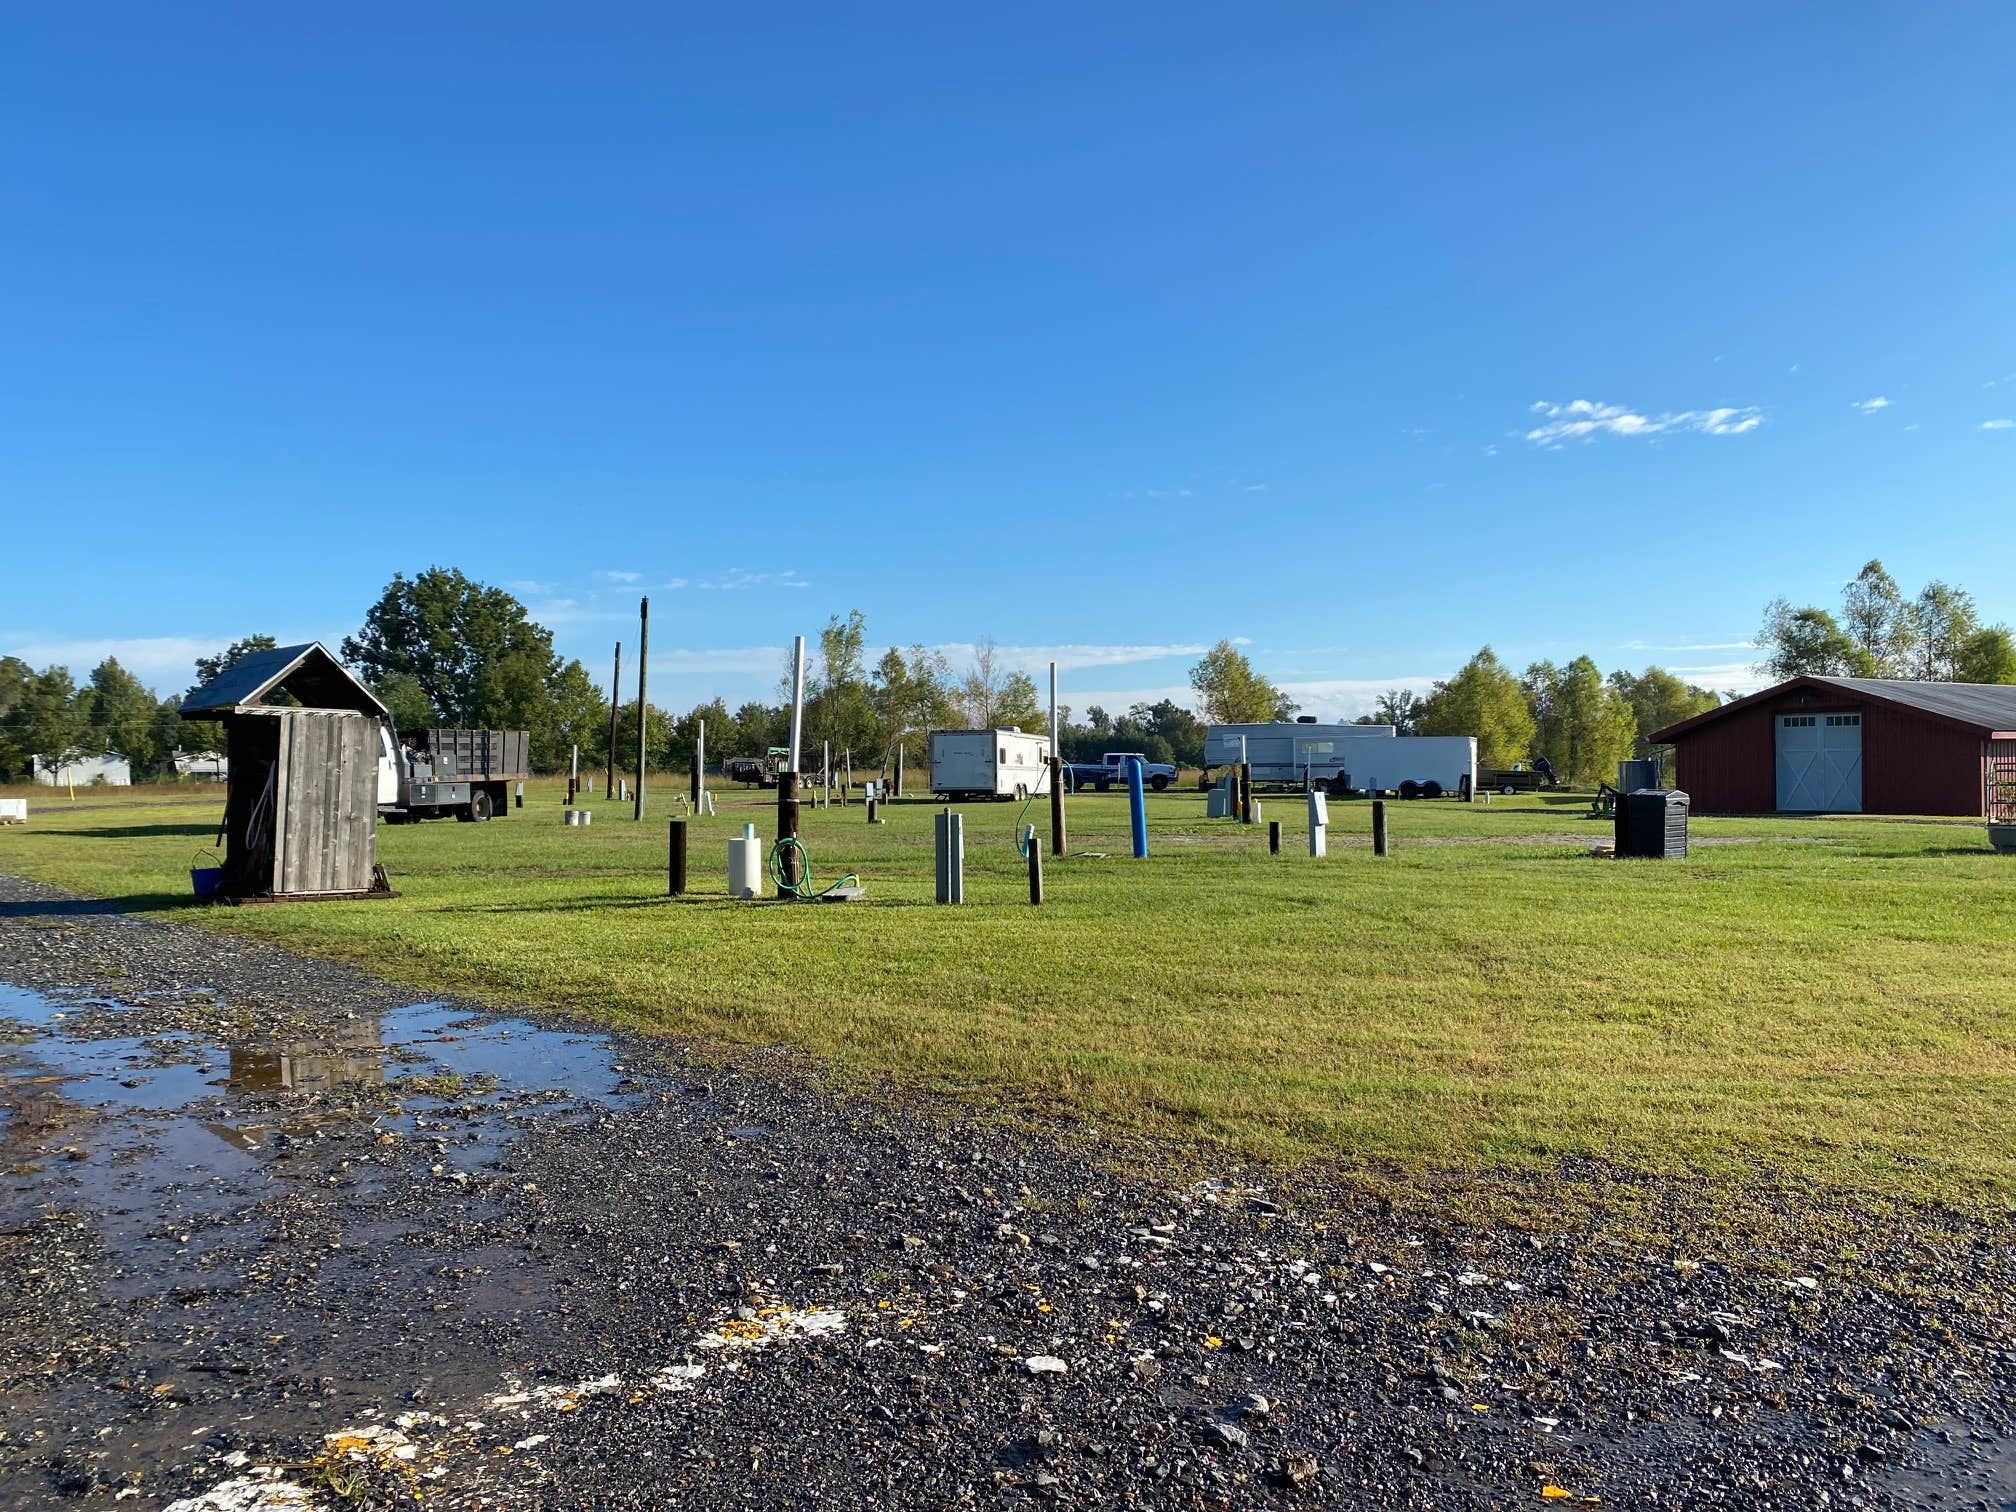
{"x": 205, "y": 880}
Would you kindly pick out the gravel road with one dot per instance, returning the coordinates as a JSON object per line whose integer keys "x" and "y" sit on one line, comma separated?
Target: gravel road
{"x": 274, "y": 1234}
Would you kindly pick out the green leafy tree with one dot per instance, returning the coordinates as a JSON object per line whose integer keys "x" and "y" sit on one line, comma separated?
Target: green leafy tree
{"x": 1483, "y": 699}
{"x": 1657, "y": 699}
{"x": 1399, "y": 707}
{"x": 1808, "y": 643}
{"x": 1943, "y": 619}
{"x": 576, "y": 713}
{"x": 1881, "y": 625}
{"x": 1229, "y": 691}
{"x": 406, "y": 702}
{"x": 1170, "y": 721}
{"x": 119, "y": 713}
{"x": 910, "y": 695}
{"x": 15, "y": 678}
{"x": 1582, "y": 724}
{"x": 1019, "y": 704}
{"x": 723, "y": 738}
{"x": 1987, "y": 656}
{"x": 52, "y": 717}
{"x": 481, "y": 661}
{"x": 838, "y": 707}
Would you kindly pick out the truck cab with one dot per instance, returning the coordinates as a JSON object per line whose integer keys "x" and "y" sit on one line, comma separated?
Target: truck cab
{"x": 1112, "y": 768}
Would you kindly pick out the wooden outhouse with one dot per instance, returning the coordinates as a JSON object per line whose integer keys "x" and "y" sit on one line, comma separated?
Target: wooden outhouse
{"x": 301, "y": 814}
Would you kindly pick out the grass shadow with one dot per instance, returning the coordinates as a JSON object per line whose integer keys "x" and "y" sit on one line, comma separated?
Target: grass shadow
{"x": 59, "y": 908}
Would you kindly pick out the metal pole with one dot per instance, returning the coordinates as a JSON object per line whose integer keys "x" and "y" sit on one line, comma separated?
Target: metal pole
{"x": 1035, "y": 869}
{"x": 643, "y": 701}
{"x": 675, "y": 865}
{"x": 1378, "y": 826}
{"x": 615, "y": 707}
{"x": 825, "y": 774}
{"x": 899, "y": 769}
{"x": 1273, "y": 837}
{"x": 699, "y": 763}
{"x": 573, "y": 773}
{"x": 797, "y": 698}
{"x": 849, "y": 787}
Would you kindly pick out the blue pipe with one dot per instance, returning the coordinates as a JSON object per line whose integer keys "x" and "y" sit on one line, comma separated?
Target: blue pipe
{"x": 1137, "y": 808}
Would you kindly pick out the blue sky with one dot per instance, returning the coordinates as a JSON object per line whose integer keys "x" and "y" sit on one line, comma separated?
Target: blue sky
{"x": 1113, "y": 329}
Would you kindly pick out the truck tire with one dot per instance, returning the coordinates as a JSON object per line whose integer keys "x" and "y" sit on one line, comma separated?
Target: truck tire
{"x": 477, "y": 810}
{"x": 1158, "y": 782}
{"x": 1104, "y": 785}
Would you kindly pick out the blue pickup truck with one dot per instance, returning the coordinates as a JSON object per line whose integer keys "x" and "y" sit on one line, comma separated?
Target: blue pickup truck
{"x": 1112, "y": 768}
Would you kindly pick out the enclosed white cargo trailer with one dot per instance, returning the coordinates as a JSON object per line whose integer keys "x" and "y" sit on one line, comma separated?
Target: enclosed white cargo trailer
{"x": 1413, "y": 766}
{"x": 1291, "y": 752}
{"x": 987, "y": 763}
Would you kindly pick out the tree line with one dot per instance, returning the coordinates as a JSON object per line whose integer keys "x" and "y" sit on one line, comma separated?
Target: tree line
{"x": 1935, "y": 635}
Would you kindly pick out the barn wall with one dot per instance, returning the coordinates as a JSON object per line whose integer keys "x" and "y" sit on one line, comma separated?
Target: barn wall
{"x": 1910, "y": 764}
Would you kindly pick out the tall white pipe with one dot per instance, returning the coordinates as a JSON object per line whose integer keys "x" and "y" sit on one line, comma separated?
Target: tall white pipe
{"x": 797, "y": 696}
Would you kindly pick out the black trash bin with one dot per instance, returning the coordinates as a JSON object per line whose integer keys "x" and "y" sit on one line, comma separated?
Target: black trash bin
{"x": 1652, "y": 823}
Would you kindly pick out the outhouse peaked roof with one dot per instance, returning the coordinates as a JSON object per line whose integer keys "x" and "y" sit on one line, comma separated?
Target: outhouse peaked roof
{"x": 308, "y": 673}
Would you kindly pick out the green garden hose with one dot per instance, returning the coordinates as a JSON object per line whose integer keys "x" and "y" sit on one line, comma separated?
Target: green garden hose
{"x": 802, "y": 888}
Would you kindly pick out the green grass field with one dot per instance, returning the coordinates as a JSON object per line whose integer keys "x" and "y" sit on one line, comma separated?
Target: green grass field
{"x": 1823, "y": 1002}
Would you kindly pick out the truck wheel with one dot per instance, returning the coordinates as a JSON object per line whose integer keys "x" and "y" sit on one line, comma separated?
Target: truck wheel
{"x": 478, "y": 809}
{"x": 1509, "y": 791}
{"x": 1103, "y": 786}
{"x": 1158, "y": 782}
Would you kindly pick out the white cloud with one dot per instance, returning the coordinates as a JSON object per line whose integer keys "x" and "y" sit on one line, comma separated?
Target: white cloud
{"x": 1686, "y": 645}
{"x": 165, "y": 663}
{"x": 1071, "y": 657}
{"x": 741, "y": 577}
{"x": 611, "y": 575}
{"x": 1586, "y": 419}
{"x": 1255, "y": 488}
{"x": 1912, "y": 426}
{"x": 529, "y": 585}
{"x": 1998, "y": 425}
{"x": 1870, "y": 406}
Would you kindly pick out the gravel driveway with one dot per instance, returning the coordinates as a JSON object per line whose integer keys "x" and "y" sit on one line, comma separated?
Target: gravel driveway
{"x": 274, "y": 1234}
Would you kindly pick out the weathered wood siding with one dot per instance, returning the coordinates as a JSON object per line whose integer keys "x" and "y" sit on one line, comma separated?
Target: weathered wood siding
{"x": 326, "y": 803}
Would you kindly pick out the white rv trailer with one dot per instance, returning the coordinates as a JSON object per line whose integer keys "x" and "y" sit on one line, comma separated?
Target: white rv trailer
{"x": 988, "y": 763}
{"x": 1292, "y": 752}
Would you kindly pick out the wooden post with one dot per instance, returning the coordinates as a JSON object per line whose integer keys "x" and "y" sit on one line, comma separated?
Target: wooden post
{"x": 1056, "y": 805}
{"x": 675, "y": 866}
{"x": 1035, "y": 870}
{"x": 1245, "y": 792}
{"x": 787, "y": 829}
{"x": 847, "y": 788}
{"x": 615, "y": 708}
{"x": 1273, "y": 837}
{"x": 1378, "y": 826}
{"x": 574, "y": 774}
{"x": 899, "y": 769}
{"x": 699, "y": 764}
{"x": 643, "y": 698}
{"x": 826, "y": 774}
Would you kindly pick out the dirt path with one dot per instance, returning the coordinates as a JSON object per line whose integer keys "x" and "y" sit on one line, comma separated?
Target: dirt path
{"x": 279, "y": 1236}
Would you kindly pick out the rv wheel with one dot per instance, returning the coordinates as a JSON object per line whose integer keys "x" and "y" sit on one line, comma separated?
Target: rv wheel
{"x": 1431, "y": 789}
{"x": 1410, "y": 789}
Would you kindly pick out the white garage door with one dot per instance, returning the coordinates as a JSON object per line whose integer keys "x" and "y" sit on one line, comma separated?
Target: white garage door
{"x": 1820, "y": 763}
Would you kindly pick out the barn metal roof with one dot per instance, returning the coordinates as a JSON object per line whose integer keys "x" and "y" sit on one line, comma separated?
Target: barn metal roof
{"x": 1987, "y": 707}
{"x": 308, "y": 673}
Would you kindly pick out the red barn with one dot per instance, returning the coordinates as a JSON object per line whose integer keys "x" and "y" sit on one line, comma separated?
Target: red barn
{"x": 1847, "y": 745}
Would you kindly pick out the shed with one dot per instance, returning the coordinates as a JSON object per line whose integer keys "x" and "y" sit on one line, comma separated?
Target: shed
{"x": 1847, "y": 745}
{"x": 301, "y": 810}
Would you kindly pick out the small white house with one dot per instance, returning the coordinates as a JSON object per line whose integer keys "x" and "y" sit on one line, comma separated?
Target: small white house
{"x": 109, "y": 770}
